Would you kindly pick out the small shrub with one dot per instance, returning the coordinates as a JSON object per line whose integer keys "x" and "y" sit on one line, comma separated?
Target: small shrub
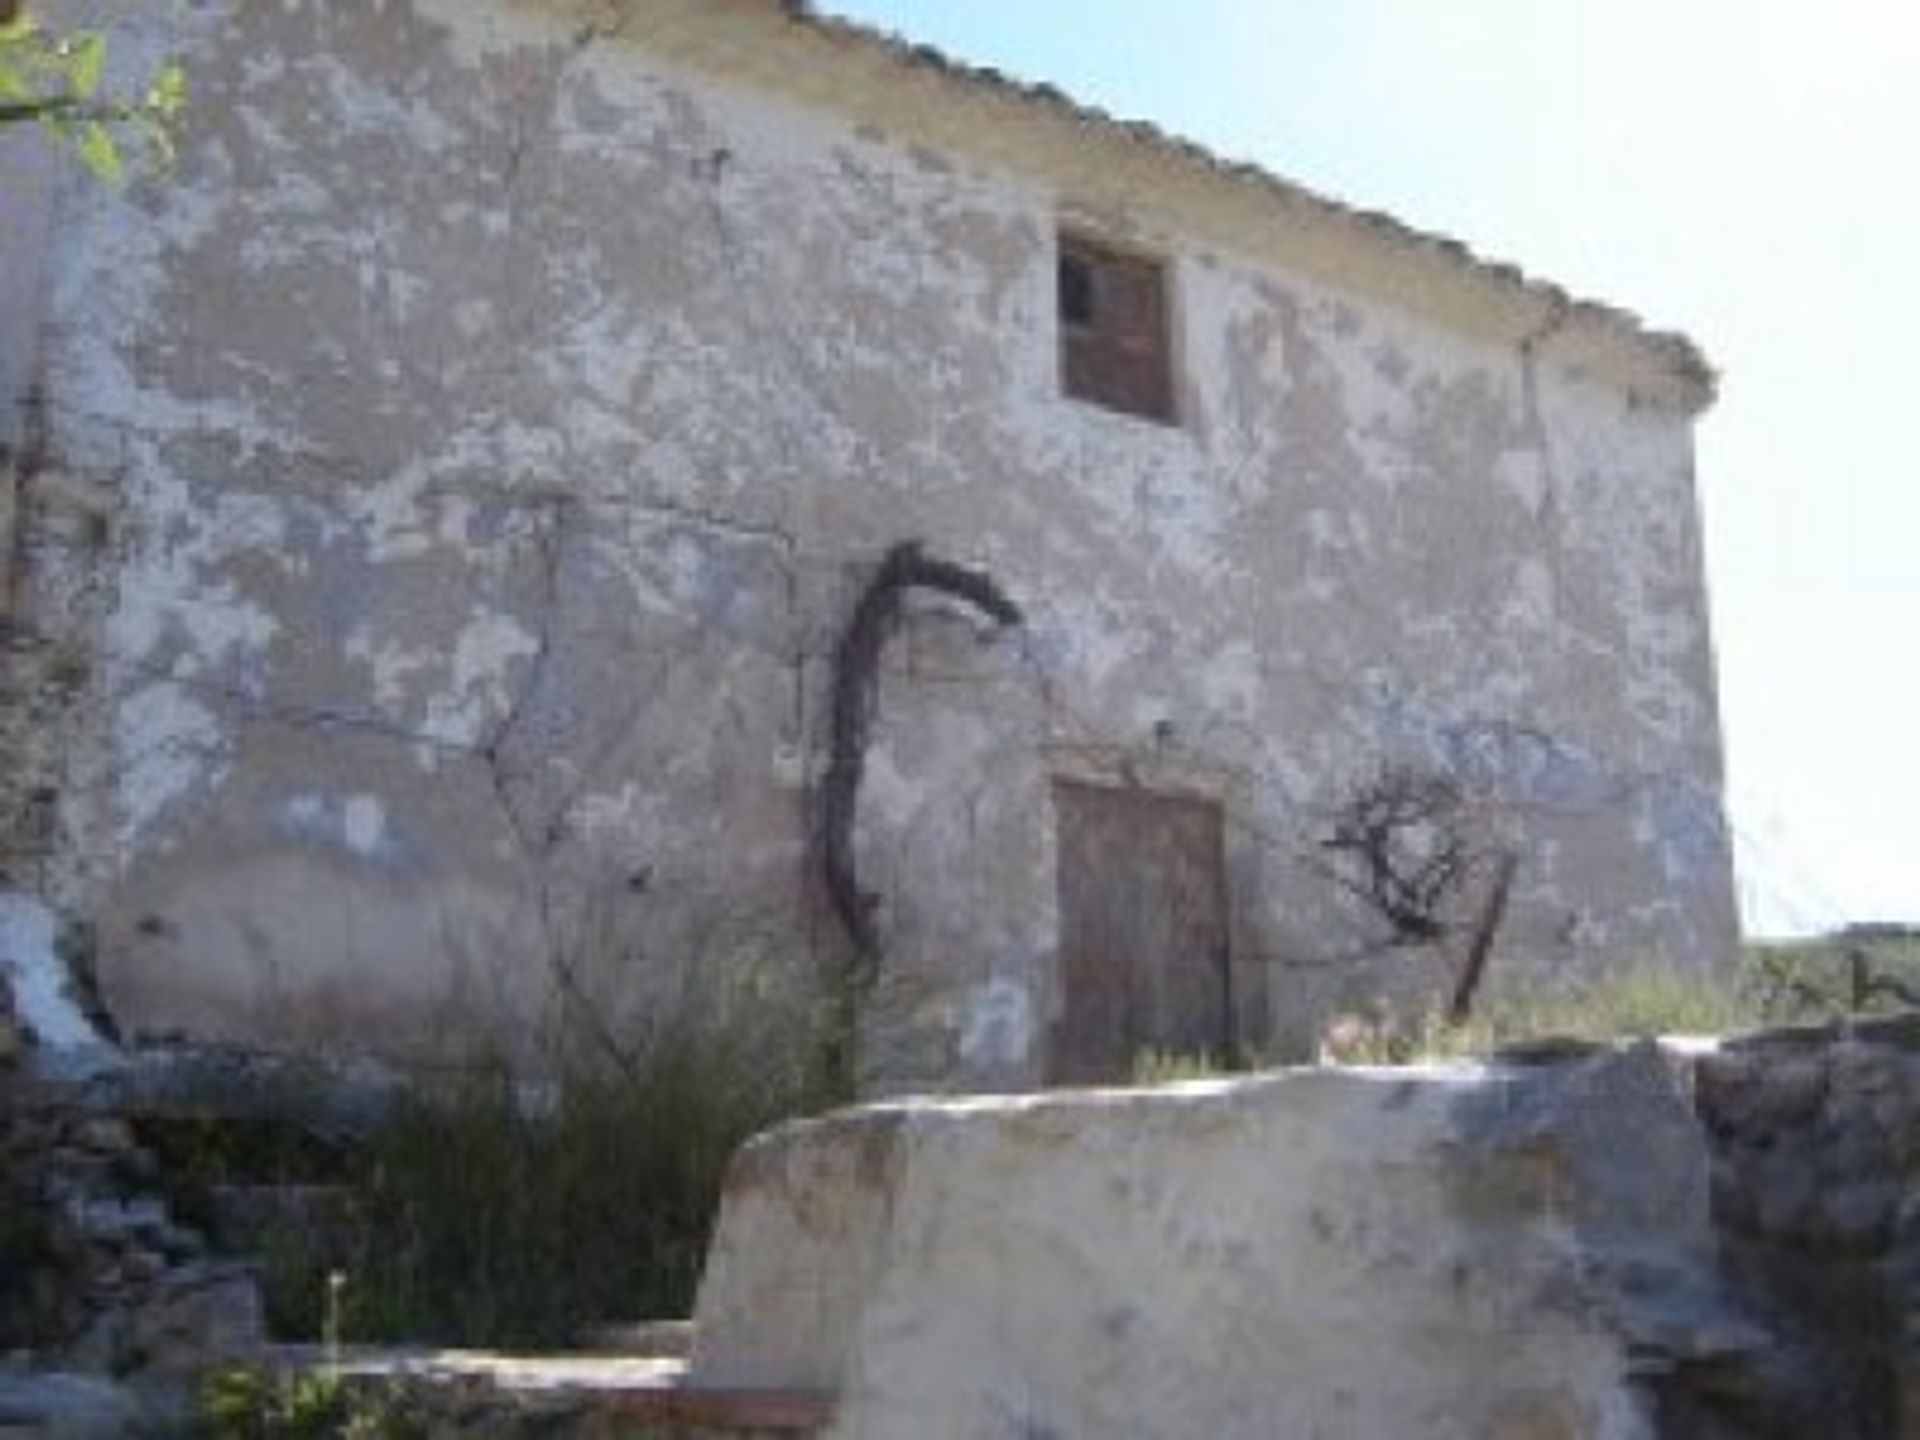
{"x": 245, "y": 1404}
{"x": 1815, "y": 979}
{"x": 250, "y": 1404}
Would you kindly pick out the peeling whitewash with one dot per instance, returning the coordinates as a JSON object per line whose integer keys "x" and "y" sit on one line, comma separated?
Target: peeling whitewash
{"x": 501, "y": 406}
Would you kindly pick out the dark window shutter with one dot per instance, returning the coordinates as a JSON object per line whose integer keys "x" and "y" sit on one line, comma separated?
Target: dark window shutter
{"x": 1113, "y": 331}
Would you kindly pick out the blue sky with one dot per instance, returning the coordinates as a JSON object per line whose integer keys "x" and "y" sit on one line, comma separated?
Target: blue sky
{"x": 1745, "y": 170}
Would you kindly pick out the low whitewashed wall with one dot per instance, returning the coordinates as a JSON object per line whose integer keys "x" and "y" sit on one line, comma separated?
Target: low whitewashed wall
{"x": 1317, "y": 1253}
{"x": 1702, "y": 1238}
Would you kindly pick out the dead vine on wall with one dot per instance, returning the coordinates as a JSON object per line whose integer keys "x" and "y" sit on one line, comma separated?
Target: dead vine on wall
{"x": 1397, "y": 845}
{"x": 856, "y": 669}
{"x": 1400, "y": 844}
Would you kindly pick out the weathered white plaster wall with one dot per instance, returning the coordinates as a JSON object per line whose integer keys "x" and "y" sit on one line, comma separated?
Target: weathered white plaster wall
{"x": 498, "y": 420}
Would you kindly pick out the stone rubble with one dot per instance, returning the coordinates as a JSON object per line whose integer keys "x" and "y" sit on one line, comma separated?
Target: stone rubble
{"x": 1815, "y": 1136}
{"x": 69, "y": 1406}
{"x": 110, "y": 1306}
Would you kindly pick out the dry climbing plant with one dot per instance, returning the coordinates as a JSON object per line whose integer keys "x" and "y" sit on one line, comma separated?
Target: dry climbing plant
{"x": 856, "y": 669}
{"x": 1401, "y": 845}
{"x": 1397, "y": 845}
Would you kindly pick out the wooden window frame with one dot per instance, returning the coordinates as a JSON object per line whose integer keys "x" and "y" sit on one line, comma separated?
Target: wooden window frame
{"x": 1114, "y": 309}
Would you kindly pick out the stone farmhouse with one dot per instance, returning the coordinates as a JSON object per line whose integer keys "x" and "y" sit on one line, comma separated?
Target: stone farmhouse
{"x": 552, "y": 497}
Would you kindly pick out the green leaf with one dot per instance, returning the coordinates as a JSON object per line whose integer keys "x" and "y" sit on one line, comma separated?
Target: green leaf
{"x": 99, "y": 151}
{"x": 168, "y": 92}
{"x": 86, "y": 56}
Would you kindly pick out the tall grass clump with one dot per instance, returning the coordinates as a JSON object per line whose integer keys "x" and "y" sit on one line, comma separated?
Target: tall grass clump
{"x": 498, "y": 1211}
{"x": 1772, "y": 984}
{"x": 1635, "y": 1000}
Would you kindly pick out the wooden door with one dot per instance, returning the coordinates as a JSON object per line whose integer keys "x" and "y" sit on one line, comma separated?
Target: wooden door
{"x": 1143, "y": 931}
